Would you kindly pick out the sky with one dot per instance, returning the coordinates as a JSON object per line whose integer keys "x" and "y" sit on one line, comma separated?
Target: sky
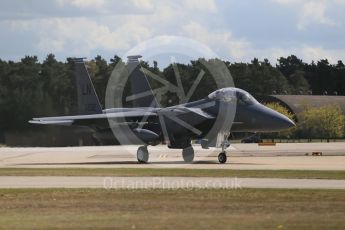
{"x": 236, "y": 31}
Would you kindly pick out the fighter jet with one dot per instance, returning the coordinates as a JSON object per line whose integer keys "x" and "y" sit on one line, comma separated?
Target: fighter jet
{"x": 211, "y": 119}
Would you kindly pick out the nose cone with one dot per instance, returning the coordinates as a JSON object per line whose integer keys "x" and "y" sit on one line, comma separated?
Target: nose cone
{"x": 264, "y": 119}
{"x": 283, "y": 122}
{"x": 276, "y": 121}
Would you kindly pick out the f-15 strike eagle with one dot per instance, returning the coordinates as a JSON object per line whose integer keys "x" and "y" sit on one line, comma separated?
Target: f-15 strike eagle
{"x": 210, "y": 119}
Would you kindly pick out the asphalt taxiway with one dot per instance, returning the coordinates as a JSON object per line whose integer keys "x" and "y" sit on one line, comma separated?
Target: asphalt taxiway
{"x": 293, "y": 156}
{"x": 164, "y": 182}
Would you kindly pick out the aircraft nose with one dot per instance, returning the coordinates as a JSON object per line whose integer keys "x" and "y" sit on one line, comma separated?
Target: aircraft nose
{"x": 270, "y": 120}
{"x": 279, "y": 121}
{"x": 284, "y": 122}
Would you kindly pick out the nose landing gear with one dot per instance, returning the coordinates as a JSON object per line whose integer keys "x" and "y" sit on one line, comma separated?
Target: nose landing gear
{"x": 222, "y": 158}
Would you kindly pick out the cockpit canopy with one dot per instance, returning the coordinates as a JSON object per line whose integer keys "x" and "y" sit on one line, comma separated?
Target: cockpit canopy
{"x": 232, "y": 95}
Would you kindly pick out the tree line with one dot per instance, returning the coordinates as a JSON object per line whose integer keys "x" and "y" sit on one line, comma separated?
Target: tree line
{"x": 29, "y": 88}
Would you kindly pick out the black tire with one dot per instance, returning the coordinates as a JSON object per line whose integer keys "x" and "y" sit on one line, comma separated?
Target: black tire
{"x": 188, "y": 154}
{"x": 142, "y": 155}
{"x": 222, "y": 158}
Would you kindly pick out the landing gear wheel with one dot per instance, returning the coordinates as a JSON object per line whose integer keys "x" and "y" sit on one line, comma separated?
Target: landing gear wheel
{"x": 222, "y": 157}
{"x": 188, "y": 154}
{"x": 143, "y": 154}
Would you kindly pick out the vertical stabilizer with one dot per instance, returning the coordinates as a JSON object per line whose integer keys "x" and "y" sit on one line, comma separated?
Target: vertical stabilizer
{"x": 140, "y": 88}
{"x": 88, "y": 102}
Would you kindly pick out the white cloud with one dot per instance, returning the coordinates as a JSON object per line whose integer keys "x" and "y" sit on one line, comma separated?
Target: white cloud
{"x": 312, "y": 11}
{"x": 285, "y": 2}
{"x": 119, "y": 32}
{"x": 82, "y": 3}
{"x": 80, "y": 36}
{"x": 315, "y": 53}
{"x": 204, "y": 5}
{"x": 224, "y": 40}
{"x": 340, "y": 1}
{"x": 108, "y": 5}
{"x": 95, "y": 28}
{"x": 144, "y": 4}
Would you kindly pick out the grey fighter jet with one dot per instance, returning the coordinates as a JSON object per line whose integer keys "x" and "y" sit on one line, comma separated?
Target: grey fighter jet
{"x": 210, "y": 119}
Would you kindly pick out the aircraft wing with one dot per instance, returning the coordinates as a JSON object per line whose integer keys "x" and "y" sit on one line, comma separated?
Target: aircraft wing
{"x": 186, "y": 111}
{"x": 200, "y": 113}
{"x": 184, "y": 118}
{"x": 84, "y": 119}
{"x": 190, "y": 115}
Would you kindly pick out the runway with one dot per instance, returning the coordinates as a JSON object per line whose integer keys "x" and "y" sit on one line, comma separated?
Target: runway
{"x": 294, "y": 156}
{"x": 165, "y": 182}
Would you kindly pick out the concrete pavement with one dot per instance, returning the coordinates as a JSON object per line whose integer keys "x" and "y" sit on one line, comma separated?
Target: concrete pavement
{"x": 294, "y": 156}
{"x": 164, "y": 182}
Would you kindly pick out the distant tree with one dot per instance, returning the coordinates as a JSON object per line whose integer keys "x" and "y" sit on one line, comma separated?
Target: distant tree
{"x": 299, "y": 84}
{"x": 21, "y": 86}
{"x": 155, "y": 66}
{"x": 259, "y": 78}
{"x": 293, "y": 69}
{"x": 100, "y": 72}
{"x": 340, "y": 71}
{"x": 54, "y": 87}
{"x": 325, "y": 77}
{"x": 324, "y": 122}
{"x": 290, "y": 65}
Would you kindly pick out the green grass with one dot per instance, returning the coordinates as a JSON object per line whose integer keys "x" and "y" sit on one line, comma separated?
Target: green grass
{"x": 300, "y": 174}
{"x": 171, "y": 209}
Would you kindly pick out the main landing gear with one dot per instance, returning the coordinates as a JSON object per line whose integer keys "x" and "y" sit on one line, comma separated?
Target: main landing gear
{"x": 142, "y": 155}
{"x": 188, "y": 154}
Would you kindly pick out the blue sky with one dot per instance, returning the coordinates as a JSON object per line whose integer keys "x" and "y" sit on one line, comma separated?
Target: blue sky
{"x": 234, "y": 30}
